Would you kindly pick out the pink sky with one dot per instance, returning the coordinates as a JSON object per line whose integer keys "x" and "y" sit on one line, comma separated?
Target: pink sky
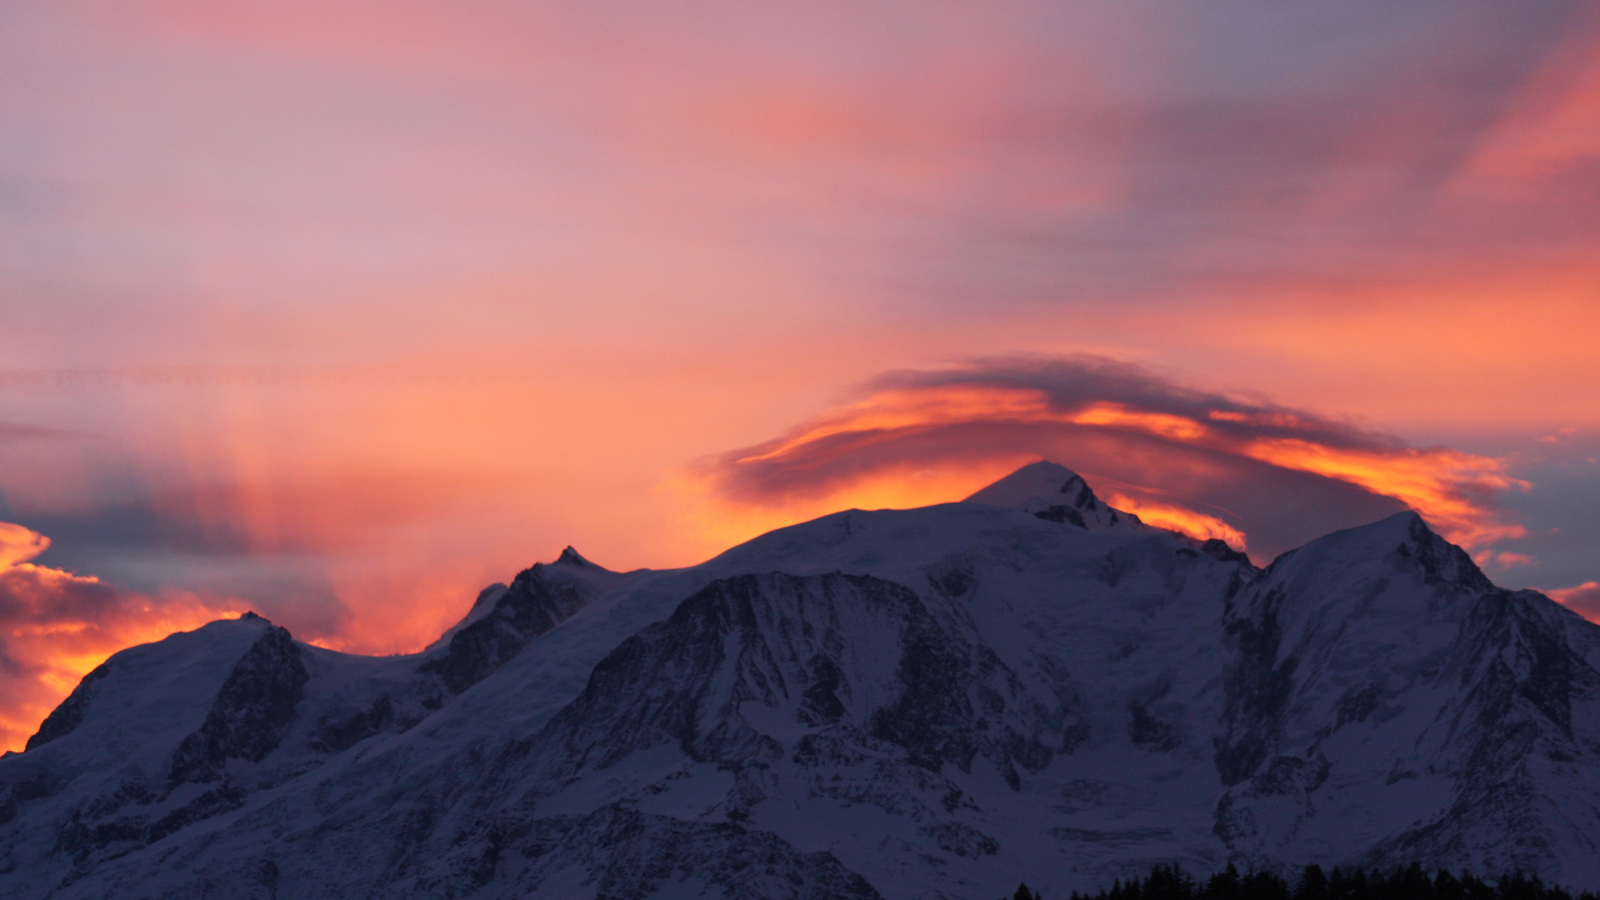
{"x": 342, "y": 310}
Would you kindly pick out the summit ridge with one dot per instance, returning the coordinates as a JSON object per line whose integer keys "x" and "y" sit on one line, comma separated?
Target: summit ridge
{"x": 1055, "y": 493}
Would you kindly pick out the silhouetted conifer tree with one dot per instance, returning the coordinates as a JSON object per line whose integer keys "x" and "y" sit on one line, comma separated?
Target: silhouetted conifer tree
{"x": 1168, "y": 883}
{"x": 1313, "y": 884}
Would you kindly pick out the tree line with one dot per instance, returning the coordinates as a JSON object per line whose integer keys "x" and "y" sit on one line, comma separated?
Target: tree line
{"x": 1172, "y": 883}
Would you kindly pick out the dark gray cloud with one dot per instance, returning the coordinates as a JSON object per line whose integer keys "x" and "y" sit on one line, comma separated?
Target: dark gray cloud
{"x": 1562, "y": 509}
{"x": 31, "y": 596}
{"x": 154, "y": 550}
{"x": 130, "y": 525}
{"x": 1078, "y": 381}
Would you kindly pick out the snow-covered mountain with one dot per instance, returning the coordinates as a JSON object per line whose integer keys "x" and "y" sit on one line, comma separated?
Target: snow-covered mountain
{"x": 923, "y": 703}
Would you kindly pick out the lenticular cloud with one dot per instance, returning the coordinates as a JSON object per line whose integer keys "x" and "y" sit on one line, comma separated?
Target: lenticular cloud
{"x": 1205, "y": 463}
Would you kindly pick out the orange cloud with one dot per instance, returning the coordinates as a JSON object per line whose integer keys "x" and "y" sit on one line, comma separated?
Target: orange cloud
{"x": 18, "y": 544}
{"x": 1116, "y": 415}
{"x": 1583, "y": 599}
{"x": 56, "y": 626}
{"x": 1447, "y": 487}
{"x": 894, "y": 410}
{"x": 1177, "y": 518}
{"x": 1503, "y": 560}
{"x": 1203, "y": 464}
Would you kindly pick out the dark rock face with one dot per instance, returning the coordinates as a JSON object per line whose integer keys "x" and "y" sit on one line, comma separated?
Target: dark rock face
{"x": 339, "y": 735}
{"x": 1442, "y": 562}
{"x": 633, "y": 855}
{"x": 69, "y": 715}
{"x": 954, "y": 704}
{"x": 678, "y": 663}
{"x": 1219, "y": 550}
{"x": 132, "y": 819}
{"x": 534, "y": 604}
{"x": 950, "y": 700}
{"x": 1146, "y": 730}
{"x": 1077, "y": 501}
{"x": 1064, "y": 515}
{"x": 251, "y": 714}
{"x": 1285, "y": 782}
{"x": 32, "y": 786}
{"x": 537, "y": 600}
{"x": 1257, "y": 688}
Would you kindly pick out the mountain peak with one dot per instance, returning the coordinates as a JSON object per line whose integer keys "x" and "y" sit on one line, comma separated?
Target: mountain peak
{"x": 1055, "y": 493}
{"x": 1035, "y": 480}
{"x": 1403, "y": 540}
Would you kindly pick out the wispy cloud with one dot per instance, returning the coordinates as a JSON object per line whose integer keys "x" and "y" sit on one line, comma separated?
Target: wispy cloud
{"x": 17, "y": 431}
{"x": 1583, "y": 599}
{"x": 1204, "y": 462}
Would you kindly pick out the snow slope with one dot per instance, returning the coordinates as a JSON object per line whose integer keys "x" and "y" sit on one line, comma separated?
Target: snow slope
{"x": 923, "y": 703}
